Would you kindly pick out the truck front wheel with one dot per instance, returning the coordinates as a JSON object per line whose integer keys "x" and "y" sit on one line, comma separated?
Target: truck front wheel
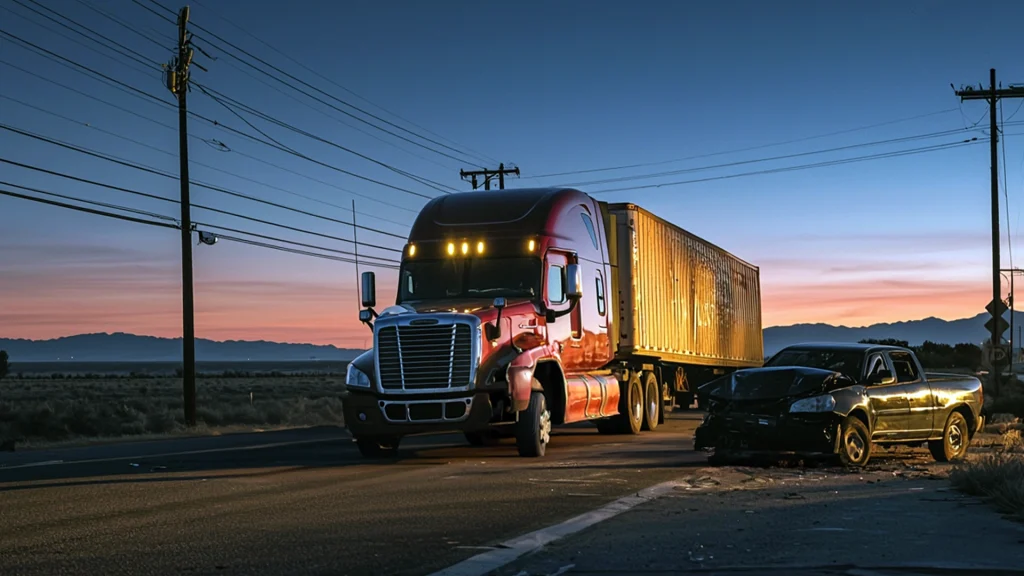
{"x": 533, "y": 431}
{"x": 378, "y": 446}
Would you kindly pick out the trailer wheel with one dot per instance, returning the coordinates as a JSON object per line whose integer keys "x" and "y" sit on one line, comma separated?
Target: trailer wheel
{"x": 378, "y": 446}
{"x": 631, "y": 406}
{"x": 533, "y": 431}
{"x": 652, "y": 402}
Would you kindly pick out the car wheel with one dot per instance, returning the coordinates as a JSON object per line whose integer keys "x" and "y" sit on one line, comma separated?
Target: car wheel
{"x": 954, "y": 442}
{"x": 854, "y": 442}
{"x": 533, "y": 431}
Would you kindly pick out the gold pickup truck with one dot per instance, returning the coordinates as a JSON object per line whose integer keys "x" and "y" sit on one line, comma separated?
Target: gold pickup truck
{"x": 839, "y": 400}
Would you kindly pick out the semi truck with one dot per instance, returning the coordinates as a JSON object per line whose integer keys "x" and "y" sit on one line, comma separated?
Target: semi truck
{"x": 523, "y": 309}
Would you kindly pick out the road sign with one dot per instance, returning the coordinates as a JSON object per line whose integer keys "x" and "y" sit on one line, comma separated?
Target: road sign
{"x": 1001, "y": 325}
{"x": 996, "y": 308}
{"x": 999, "y": 355}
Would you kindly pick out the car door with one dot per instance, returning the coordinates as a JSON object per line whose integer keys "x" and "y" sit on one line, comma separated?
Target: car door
{"x": 888, "y": 399}
{"x": 921, "y": 406}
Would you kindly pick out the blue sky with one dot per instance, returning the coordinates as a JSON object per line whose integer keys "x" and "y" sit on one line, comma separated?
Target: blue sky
{"x": 550, "y": 87}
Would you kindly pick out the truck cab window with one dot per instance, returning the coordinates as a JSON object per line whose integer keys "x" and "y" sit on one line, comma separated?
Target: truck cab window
{"x": 590, "y": 228}
{"x": 905, "y": 369}
{"x": 556, "y": 284}
{"x": 599, "y": 294}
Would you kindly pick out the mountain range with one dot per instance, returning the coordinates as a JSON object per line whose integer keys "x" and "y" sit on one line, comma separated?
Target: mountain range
{"x": 121, "y": 347}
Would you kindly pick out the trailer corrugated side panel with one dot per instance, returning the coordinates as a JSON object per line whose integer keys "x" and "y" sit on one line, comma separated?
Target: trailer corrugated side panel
{"x": 681, "y": 298}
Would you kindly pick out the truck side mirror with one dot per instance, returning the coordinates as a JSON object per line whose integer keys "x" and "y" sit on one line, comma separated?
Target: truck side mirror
{"x": 493, "y": 331}
{"x": 574, "y": 280}
{"x": 369, "y": 290}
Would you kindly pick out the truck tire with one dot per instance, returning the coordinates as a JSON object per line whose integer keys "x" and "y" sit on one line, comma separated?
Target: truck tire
{"x": 631, "y": 406}
{"x": 378, "y": 446}
{"x": 854, "y": 442}
{"x": 652, "y": 402}
{"x": 533, "y": 431}
{"x": 954, "y": 442}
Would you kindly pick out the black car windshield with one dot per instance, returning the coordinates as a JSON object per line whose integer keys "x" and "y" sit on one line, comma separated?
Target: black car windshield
{"x": 847, "y": 362}
{"x": 469, "y": 278}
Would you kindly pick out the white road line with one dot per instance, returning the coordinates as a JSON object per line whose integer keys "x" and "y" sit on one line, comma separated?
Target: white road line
{"x": 166, "y": 454}
{"x": 512, "y": 549}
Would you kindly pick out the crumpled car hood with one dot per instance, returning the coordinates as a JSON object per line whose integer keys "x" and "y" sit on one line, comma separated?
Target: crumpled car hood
{"x": 772, "y": 385}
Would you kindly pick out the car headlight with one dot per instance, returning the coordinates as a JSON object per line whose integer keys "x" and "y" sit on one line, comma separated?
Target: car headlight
{"x": 815, "y": 404}
{"x": 356, "y": 378}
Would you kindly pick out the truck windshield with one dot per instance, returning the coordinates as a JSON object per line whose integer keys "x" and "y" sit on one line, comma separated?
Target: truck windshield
{"x": 470, "y": 278}
{"x": 846, "y": 362}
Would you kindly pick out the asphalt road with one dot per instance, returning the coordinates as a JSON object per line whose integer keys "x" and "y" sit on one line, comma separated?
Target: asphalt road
{"x": 305, "y": 502}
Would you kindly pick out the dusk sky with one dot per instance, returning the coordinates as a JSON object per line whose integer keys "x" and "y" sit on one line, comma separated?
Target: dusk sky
{"x": 551, "y": 87}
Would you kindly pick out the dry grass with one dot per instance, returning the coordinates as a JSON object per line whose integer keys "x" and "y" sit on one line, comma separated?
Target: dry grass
{"x": 996, "y": 476}
{"x": 47, "y": 411}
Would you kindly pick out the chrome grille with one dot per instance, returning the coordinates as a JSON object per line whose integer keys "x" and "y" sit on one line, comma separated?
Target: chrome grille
{"x": 438, "y": 356}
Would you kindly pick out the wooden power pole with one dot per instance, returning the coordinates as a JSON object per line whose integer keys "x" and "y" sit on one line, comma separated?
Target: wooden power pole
{"x": 489, "y": 175}
{"x": 996, "y": 325}
{"x": 177, "y": 82}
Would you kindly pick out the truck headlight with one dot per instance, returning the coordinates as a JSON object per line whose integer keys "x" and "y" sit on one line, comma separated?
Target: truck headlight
{"x": 814, "y": 404}
{"x": 356, "y": 378}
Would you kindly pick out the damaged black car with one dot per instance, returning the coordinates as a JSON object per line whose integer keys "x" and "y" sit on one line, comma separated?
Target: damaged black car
{"x": 839, "y": 400}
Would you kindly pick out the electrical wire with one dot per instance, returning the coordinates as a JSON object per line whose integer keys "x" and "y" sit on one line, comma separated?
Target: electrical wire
{"x": 220, "y": 98}
{"x": 151, "y": 170}
{"x": 738, "y": 150}
{"x": 88, "y": 210}
{"x": 217, "y": 124}
{"x": 892, "y": 154}
{"x": 131, "y": 65}
{"x": 465, "y": 149}
{"x": 124, "y": 50}
{"x": 121, "y": 23}
{"x": 321, "y": 100}
{"x": 771, "y": 158}
{"x": 196, "y": 206}
{"x": 261, "y": 161}
{"x": 1019, "y": 106}
{"x": 95, "y": 203}
{"x": 178, "y": 227}
{"x": 303, "y": 244}
{"x": 157, "y": 14}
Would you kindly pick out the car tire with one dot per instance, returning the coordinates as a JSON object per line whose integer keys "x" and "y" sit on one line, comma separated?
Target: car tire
{"x": 854, "y": 442}
{"x": 533, "y": 431}
{"x": 954, "y": 442}
{"x": 378, "y": 446}
{"x": 652, "y": 403}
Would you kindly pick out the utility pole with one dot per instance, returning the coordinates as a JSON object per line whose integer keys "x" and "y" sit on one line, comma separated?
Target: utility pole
{"x": 177, "y": 82}
{"x": 489, "y": 175}
{"x": 992, "y": 95}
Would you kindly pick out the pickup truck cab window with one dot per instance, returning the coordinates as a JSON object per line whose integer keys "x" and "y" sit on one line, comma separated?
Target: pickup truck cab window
{"x": 904, "y": 367}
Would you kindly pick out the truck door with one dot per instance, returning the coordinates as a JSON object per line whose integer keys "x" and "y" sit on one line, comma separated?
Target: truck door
{"x": 888, "y": 400}
{"x": 921, "y": 408}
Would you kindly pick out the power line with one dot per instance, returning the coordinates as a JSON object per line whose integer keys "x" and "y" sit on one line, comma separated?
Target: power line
{"x": 124, "y": 50}
{"x": 157, "y": 14}
{"x": 87, "y": 210}
{"x": 1006, "y": 193}
{"x": 132, "y": 64}
{"x": 121, "y": 23}
{"x": 150, "y": 170}
{"x": 748, "y": 149}
{"x": 294, "y": 243}
{"x": 218, "y": 96}
{"x": 465, "y": 149}
{"x": 892, "y": 154}
{"x": 215, "y": 123}
{"x": 198, "y": 206}
{"x": 771, "y": 158}
{"x": 177, "y": 227}
{"x": 1019, "y": 106}
{"x": 261, "y": 161}
{"x": 94, "y": 202}
{"x": 322, "y": 101}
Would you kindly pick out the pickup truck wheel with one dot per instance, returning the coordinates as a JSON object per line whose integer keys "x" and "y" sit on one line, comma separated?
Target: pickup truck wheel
{"x": 854, "y": 442}
{"x": 652, "y": 402}
{"x": 954, "y": 442}
{"x": 533, "y": 431}
{"x": 378, "y": 446}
